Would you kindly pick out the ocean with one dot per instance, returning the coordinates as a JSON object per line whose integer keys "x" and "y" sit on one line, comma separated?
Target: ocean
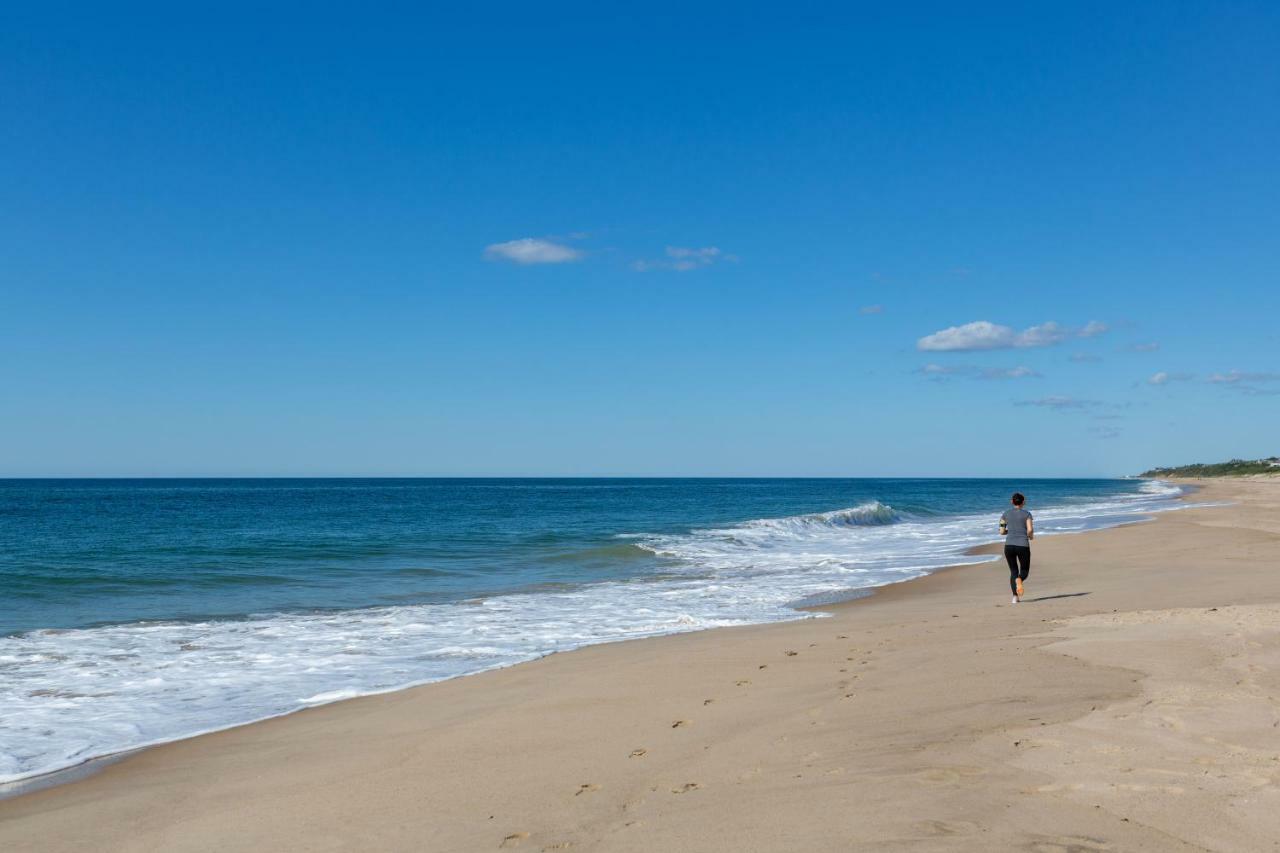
{"x": 134, "y": 612}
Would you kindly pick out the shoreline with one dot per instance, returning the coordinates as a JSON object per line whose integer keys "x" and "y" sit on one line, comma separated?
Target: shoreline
{"x": 808, "y": 607}
{"x": 807, "y": 734}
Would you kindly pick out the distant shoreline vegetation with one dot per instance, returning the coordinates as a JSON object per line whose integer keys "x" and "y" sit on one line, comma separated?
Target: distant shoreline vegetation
{"x": 1234, "y": 468}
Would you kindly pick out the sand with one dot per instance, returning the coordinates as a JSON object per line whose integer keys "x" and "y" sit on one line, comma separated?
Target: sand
{"x": 1132, "y": 702}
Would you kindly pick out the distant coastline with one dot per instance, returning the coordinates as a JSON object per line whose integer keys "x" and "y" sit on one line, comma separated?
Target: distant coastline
{"x": 1232, "y": 468}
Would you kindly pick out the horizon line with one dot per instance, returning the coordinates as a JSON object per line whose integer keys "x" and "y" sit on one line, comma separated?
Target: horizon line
{"x": 55, "y": 477}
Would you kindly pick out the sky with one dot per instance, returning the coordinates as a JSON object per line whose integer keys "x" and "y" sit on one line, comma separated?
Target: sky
{"x": 638, "y": 239}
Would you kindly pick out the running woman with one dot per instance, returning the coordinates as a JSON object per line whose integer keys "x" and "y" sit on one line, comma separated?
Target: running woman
{"x": 1018, "y": 529}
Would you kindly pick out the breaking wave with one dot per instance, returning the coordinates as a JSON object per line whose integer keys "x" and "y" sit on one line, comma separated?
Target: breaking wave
{"x": 868, "y": 514}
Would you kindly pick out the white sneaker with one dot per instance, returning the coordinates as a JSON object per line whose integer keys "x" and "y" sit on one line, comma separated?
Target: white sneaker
{"x": 1015, "y": 600}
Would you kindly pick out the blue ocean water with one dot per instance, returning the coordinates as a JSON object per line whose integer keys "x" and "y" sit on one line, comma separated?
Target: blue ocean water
{"x": 134, "y": 612}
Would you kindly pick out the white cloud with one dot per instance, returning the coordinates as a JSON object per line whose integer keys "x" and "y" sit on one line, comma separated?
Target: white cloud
{"x": 1164, "y": 378}
{"x": 1147, "y": 347}
{"x": 683, "y": 259}
{"x": 1044, "y": 335}
{"x": 1085, "y": 358}
{"x": 939, "y": 371}
{"x": 871, "y": 309}
{"x": 532, "y": 250}
{"x": 1232, "y": 377}
{"x": 1060, "y": 403}
{"x": 971, "y": 336}
{"x": 985, "y": 335}
{"x": 1245, "y": 382}
{"x": 1020, "y": 372}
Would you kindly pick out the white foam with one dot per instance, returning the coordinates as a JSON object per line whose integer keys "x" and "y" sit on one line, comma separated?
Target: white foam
{"x": 71, "y": 695}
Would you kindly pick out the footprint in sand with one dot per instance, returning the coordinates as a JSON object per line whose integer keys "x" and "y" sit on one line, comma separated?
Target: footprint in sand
{"x": 586, "y": 789}
{"x": 947, "y": 827}
{"x": 686, "y": 788}
{"x": 742, "y": 682}
{"x": 763, "y": 666}
{"x": 563, "y": 845}
{"x": 639, "y": 753}
{"x": 707, "y": 701}
{"x": 514, "y": 839}
{"x": 679, "y": 724}
{"x": 790, "y": 654}
{"x": 948, "y": 775}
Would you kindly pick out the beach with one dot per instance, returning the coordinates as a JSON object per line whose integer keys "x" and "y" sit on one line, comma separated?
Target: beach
{"x": 1131, "y": 702}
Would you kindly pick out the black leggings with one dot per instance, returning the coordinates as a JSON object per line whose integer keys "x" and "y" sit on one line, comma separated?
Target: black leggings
{"x": 1019, "y": 558}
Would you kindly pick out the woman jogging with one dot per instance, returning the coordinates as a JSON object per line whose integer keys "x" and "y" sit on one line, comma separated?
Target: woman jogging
{"x": 1018, "y": 529}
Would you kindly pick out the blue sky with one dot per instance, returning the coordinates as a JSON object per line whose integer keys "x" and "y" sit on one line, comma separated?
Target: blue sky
{"x": 693, "y": 239}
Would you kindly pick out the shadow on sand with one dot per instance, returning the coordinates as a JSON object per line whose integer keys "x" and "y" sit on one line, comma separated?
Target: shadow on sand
{"x": 1051, "y": 597}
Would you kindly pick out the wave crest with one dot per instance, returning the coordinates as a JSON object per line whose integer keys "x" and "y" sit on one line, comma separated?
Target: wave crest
{"x": 870, "y": 514}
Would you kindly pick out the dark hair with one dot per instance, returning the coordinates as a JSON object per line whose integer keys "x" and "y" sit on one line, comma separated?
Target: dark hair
{"x": 1018, "y": 499}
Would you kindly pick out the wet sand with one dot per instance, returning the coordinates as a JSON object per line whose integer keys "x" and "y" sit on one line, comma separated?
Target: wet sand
{"x": 1131, "y": 702}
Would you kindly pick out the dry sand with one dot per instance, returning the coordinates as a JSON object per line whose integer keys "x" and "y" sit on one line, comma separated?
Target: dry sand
{"x": 1131, "y": 703}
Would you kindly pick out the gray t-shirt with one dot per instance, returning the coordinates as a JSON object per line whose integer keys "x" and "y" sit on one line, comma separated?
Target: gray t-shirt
{"x": 1016, "y": 518}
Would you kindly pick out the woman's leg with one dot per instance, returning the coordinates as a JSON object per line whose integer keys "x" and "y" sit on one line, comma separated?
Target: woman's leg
{"x": 1024, "y": 569}
{"x": 1011, "y": 557}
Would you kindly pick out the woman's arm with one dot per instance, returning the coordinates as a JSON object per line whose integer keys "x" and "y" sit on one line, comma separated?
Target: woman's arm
{"x": 1031, "y": 528}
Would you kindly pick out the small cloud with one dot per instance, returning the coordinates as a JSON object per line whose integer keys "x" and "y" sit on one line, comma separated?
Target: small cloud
{"x": 985, "y": 335}
{"x": 1044, "y": 335}
{"x": 1164, "y": 378}
{"x": 1152, "y": 346}
{"x": 1085, "y": 358}
{"x": 871, "y": 309}
{"x": 1019, "y": 372}
{"x": 532, "y": 250}
{"x": 978, "y": 335}
{"x": 1060, "y": 403}
{"x": 682, "y": 259}
{"x": 1233, "y": 377}
{"x": 1105, "y": 431}
{"x": 1246, "y": 382}
{"x": 938, "y": 372}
